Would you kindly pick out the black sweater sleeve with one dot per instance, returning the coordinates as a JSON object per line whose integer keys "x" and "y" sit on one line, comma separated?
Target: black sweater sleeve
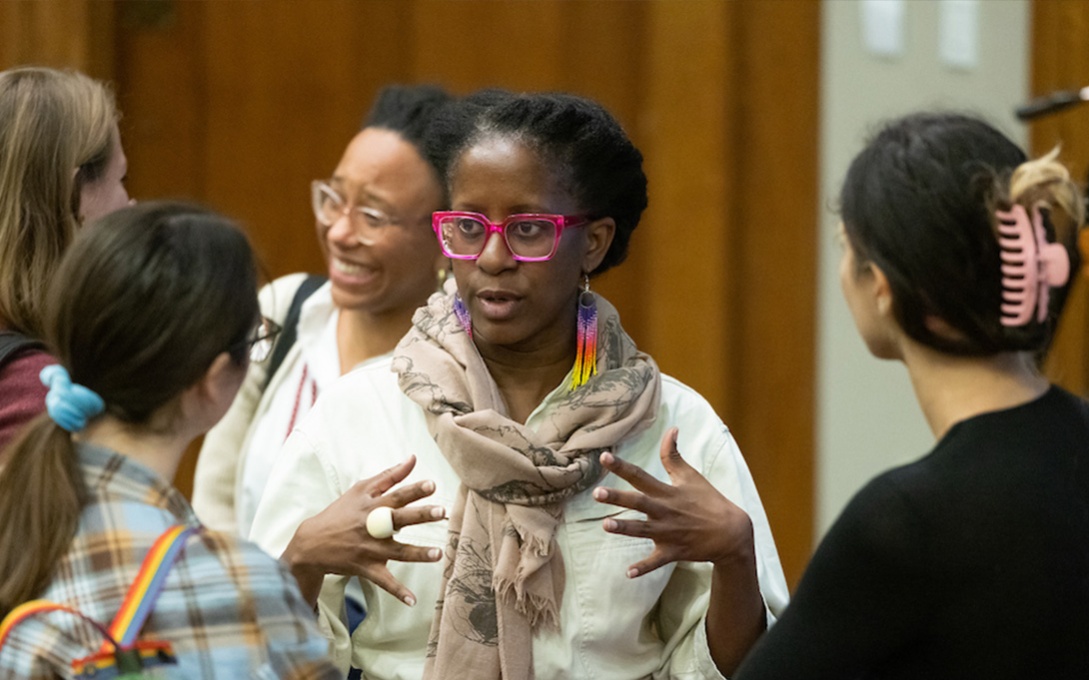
{"x": 861, "y": 596}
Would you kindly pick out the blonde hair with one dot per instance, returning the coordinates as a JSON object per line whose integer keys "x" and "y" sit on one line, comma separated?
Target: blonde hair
{"x": 1046, "y": 180}
{"x": 56, "y": 132}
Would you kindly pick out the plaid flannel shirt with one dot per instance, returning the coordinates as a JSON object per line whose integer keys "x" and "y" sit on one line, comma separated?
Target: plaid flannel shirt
{"x": 228, "y": 609}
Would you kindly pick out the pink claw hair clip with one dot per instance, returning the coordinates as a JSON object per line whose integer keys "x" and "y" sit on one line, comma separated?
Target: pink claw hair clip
{"x": 1031, "y": 265}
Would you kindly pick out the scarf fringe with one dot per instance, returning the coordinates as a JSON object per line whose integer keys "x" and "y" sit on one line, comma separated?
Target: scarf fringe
{"x": 534, "y": 545}
{"x": 542, "y": 613}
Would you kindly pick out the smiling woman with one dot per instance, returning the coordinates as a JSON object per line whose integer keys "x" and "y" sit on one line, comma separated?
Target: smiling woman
{"x": 371, "y": 219}
{"x": 518, "y": 404}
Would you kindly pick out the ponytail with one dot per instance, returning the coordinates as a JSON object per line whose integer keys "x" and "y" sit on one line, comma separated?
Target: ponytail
{"x": 120, "y": 355}
{"x": 41, "y": 497}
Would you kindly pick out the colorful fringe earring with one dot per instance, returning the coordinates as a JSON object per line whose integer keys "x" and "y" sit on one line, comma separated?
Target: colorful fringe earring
{"x": 586, "y": 351}
{"x": 462, "y": 314}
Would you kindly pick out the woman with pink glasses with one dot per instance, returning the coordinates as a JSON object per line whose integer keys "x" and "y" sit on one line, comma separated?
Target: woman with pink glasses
{"x": 524, "y": 414}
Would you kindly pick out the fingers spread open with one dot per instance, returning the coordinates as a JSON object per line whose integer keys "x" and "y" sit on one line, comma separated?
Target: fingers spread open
{"x": 640, "y": 529}
{"x": 420, "y": 514}
{"x": 386, "y": 479}
{"x": 403, "y": 552}
{"x": 381, "y": 577}
{"x": 674, "y": 464}
{"x": 629, "y": 527}
{"x": 399, "y": 498}
{"x": 633, "y": 500}
{"x": 656, "y": 559}
{"x": 633, "y": 474}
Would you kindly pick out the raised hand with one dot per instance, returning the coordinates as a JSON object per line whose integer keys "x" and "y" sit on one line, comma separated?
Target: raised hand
{"x": 687, "y": 520}
{"x": 336, "y": 540}
{"x": 690, "y": 520}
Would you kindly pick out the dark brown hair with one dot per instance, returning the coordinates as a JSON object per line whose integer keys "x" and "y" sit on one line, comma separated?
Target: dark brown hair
{"x": 919, "y": 202}
{"x": 143, "y": 302}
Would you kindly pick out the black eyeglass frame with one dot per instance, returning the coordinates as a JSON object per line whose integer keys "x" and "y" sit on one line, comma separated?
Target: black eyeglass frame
{"x": 259, "y": 341}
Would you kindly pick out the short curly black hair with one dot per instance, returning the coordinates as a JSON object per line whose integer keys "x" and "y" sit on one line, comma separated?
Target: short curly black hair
{"x": 407, "y": 110}
{"x": 604, "y": 168}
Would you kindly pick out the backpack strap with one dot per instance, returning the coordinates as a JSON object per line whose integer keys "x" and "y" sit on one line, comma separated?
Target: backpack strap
{"x": 36, "y": 607}
{"x": 291, "y": 324}
{"x": 11, "y": 343}
{"x": 140, "y": 599}
{"x": 121, "y": 652}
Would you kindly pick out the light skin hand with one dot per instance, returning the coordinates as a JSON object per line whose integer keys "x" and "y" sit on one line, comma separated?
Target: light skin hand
{"x": 335, "y": 541}
{"x": 690, "y": 520}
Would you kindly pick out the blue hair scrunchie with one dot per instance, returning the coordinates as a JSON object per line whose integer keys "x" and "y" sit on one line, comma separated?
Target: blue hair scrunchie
{"x": 69, "y": 405}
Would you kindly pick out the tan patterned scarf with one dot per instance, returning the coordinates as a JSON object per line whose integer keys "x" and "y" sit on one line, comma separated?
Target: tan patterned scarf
{"x": 504, "y": 576}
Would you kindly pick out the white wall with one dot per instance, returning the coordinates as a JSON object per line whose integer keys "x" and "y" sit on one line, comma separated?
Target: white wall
{"x": 867, "y": 419}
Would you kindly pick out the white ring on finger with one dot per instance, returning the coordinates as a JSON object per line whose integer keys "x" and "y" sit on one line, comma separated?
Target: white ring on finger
{"x": 380, "y": 522}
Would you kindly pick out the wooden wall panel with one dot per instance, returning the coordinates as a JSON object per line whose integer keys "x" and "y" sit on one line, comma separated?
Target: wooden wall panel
{"x": 1060, "y": 61}
{"x": 285, "y": 94}
{"x": 688, "y": 226}
{"x": 63, "y": 34}
{"x": 162, "y": 129}
{"x": 473, "y": 44}
{"x": 775, "y": 268}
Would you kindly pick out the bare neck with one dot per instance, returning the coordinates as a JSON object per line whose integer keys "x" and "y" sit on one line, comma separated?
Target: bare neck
{"x": 953, "y": 388}
{"x": 524, "y": 379}
{"x": 160, "y": 451}
{"x": 362, "y": 335}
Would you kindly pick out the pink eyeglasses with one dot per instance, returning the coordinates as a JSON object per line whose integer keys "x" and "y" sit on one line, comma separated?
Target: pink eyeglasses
{"x": 530, "y": 237}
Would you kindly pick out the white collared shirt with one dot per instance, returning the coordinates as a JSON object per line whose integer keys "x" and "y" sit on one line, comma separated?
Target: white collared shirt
{"x": 317, "y": 367}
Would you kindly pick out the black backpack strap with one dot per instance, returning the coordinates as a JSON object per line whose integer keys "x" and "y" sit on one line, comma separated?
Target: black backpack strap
{"x": 11, "y": 343}
{"x": 291, "y": 324}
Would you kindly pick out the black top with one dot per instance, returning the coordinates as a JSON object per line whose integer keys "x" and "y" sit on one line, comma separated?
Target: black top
{"x": 970, "y": 563}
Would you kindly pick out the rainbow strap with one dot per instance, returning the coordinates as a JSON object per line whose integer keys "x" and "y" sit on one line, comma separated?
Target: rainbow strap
{"x": 144, "y": 591}
{"x": 35, "y": 607}
{"x": 120, "y": 651}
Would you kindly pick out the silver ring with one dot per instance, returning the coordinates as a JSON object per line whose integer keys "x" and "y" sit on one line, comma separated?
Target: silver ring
{"x": 380, "y": 522}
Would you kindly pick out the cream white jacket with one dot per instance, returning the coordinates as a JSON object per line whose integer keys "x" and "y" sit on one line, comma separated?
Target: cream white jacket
{"x": 223, "y": 494}
{"x": 610, "y": 626}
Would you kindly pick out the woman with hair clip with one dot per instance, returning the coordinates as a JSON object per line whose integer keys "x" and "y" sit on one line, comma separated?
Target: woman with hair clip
{"x": 972, "y": 562}
{"x": 61, "y": 164}
{"x": 515, "y": 405}
{"x": 372, "y": 218}
{"x": 153, "y": 316}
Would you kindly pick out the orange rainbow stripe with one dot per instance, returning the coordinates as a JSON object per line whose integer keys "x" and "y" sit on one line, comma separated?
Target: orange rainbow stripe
{"x": 137, "y": 605}
{"x": 141, "y": 597}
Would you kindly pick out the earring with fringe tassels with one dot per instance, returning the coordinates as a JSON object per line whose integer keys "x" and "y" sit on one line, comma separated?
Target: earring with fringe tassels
{"x": 586, "y": 351}
{"x": 462, "y": 314}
